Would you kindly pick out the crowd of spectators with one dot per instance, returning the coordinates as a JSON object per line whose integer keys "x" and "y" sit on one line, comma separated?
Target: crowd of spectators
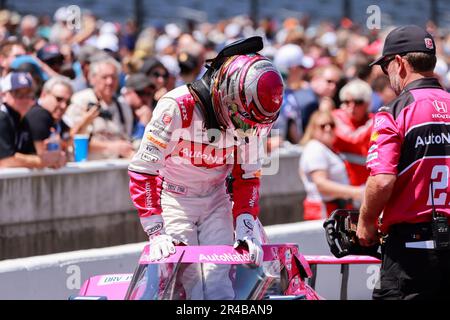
{"x": 104, "y": 78}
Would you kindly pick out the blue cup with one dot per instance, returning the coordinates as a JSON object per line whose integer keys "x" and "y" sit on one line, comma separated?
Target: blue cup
{"x": 81, "y": 147}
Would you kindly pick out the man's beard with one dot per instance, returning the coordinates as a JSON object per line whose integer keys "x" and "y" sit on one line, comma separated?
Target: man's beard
{"x": 395, "y": 84}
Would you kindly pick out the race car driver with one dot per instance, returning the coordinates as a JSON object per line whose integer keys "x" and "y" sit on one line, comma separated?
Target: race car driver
{"x": 199, "y": 134}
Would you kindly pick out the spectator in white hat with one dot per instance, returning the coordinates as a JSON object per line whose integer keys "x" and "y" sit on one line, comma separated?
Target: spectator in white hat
{"x": 16, "y": 141}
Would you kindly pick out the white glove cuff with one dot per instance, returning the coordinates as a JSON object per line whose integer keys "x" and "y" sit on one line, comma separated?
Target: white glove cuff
{"x": 244, "y": 225}
{"x": 153, "y": 225}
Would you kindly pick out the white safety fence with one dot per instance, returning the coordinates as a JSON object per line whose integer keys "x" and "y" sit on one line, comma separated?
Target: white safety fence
{"x": 57, "y": 276}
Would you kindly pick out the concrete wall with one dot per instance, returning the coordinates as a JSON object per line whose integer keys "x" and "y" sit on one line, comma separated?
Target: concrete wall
{"x": 77, "y": 207}
{"x": 87, "y": 205}
{"x": 58, "y": 276}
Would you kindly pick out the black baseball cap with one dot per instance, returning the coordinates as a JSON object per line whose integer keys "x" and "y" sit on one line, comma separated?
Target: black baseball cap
{"x": 49, "y": 52}
{"x": 138, "y": 82}
{"x": 410, "y": 38}
{"x": 150, "y": 64}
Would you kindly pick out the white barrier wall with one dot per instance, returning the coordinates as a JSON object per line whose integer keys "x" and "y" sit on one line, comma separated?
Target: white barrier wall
{"x": 58, "y": 276}
{"x": 87, "y": 205}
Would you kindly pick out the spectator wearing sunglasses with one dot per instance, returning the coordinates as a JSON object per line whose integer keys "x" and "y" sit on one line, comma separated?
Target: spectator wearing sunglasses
{"x": 353, "y": 126}
{"x": 138, "y": 93}
{"x": 46, "y": 116}
{"x": 154, "y": 69}
{"x": 322, "y": 170}
{"x": 16, "y": 143}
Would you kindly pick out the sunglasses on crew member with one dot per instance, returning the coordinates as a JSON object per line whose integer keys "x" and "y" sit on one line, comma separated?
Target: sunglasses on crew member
{"x": 385, "y": 63}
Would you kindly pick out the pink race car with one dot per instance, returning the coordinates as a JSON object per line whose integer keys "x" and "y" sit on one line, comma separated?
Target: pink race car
{"x": 284, "y": 274}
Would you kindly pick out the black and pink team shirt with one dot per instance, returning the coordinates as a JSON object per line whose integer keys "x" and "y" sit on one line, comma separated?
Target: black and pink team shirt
{"x": 411, "y": 139}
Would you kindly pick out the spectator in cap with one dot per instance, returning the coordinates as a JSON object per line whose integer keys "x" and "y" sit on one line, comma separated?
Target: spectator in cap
{"x": 291, "y": 62}
{"x": 138, "y": 93}
{"x": 172, "y": 66}
{"x": 154, "y": 69}
{"x": 30, "y": 64}
{"x": 108, "y": 42}
{"x": 16, "y": 142}
{"x": 51, "y": 56}
{"x": 46, "y": 115}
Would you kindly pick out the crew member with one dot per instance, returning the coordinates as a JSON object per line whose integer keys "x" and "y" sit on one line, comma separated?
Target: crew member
{"x": 409, "y": 164}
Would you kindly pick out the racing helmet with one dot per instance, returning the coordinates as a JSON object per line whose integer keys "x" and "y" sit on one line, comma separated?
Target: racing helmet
{"x": 247, "y": 92}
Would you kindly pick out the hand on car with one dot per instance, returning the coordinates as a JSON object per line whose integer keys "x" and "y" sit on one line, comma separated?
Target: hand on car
{"x": 162, "y": 245}
{"x": 245, "y": 237}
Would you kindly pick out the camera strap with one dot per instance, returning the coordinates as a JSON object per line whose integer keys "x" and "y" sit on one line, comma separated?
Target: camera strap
{"x": 119, "y": 108}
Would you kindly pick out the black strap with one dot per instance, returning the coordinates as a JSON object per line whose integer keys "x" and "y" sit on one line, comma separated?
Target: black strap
{"x": 119, "y": 107}
{"x": 201, "y": 91}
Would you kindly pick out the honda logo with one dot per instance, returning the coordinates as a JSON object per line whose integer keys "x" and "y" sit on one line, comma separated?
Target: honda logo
{"x": 429, "y": 43}
{"x": 440, "y": 106}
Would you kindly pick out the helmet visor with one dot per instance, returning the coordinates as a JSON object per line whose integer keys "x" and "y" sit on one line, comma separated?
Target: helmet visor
{"x": 247, "y": 127}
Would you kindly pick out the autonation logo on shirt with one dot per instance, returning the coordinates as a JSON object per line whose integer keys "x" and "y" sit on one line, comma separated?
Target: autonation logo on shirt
{"x": 443, "y": 138}
{"x": 225, "y": 257}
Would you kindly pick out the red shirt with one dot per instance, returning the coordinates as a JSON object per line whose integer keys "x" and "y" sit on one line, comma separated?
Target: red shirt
{"x": 352, "y": 143}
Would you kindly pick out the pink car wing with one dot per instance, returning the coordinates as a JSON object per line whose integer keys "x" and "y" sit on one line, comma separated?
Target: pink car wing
{"x": 297, "y": 266}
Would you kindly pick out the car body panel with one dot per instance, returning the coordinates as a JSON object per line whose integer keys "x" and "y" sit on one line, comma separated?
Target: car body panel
{"x": 283, "y": 274}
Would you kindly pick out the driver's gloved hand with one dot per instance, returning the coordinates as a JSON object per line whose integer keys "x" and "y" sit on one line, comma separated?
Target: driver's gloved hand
{"x": 162, "y": 245}
{"x": 245, "y": 237}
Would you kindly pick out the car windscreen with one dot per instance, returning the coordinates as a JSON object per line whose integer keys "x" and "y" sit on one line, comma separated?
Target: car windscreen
{"x": 179, "y": 281}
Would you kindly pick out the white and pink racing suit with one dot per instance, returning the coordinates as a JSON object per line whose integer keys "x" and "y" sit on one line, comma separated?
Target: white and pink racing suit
{"x": 180, "y": 172}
